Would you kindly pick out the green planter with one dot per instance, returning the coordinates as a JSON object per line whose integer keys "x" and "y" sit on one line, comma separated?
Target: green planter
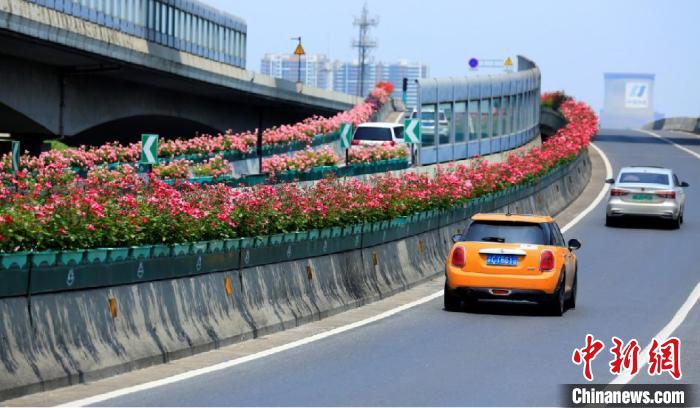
{"x": 97, "y": 255}
{"x": 367, "y": 228}
{"x": 161, "y": 251}
{"x": 326, "y": 233}
{"x": 347, "y": 231}
{"x": 336, "y": 232}
{"x": 73, "y": 257}
{"x": 44, "y": 258}
{"x": 182, "y": 249}
{"x": 216, "y": 246}
{"x": 262, "y": 242}
{"x": 13, "y": 260}
{"x": 357, "y": 229}
{"x": 399, "y": 221}
{"x": 141, "y": 252}
{"x": 200, "y": 247}
{"x": 232, "y": 244}
{"x": 247, "y": 242}
{"x": 118, "y": 254}
{"x": 201, "y": 179}
{"x": 301, "y": 236}
{"x": 289, "y": 237}
{"x": 276, "y": 239}
{"x": 314, "y": 234}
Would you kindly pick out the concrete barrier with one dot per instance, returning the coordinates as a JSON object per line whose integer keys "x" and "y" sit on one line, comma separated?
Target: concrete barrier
{"x": 683, "y": 124}
{"x": 54, "y": 340}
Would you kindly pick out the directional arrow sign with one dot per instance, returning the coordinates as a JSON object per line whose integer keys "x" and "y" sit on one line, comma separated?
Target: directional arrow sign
{"x": 345, "y": 135}
{"x": 149, "y": 149}
{"x": 411, "y": 133}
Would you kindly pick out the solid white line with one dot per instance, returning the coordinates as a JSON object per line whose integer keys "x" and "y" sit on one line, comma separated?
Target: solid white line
{"x": 685, "y": 149}
{"x": 601, "y": 195}
{"x": 664, "y": 334}
{"x": 231, "y": 363}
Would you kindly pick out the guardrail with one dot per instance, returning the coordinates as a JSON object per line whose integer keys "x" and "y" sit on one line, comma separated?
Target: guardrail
{"x": 26, "y": 274}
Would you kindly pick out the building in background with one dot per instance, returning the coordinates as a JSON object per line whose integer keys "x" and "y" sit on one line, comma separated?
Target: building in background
{"x": 396, "y": 72}
{"x": 316, "y": 69}
{"x": 629, "y": 100}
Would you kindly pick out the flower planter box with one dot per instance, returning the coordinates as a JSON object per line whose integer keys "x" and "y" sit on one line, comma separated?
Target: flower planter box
{"x": 200, "y": 247}
{"x": 276, "y": 239}
{"x": 247, "y": 242}
{"x": 326, "y": 233}
{"x": 336, "y": 232}
{"x": 181, "y": 249}
{"x": 357, "y": 229}
{"x": 74, "y": 257}
{"x": 301, "y": 236}
{"x": 141, "y": 252}
{"x": 314, "y": 234}
{"x": 161, "y": 251}
{"x": 398, "y": 222}
{"x": 44, "y": 258}
{"x": 118, "y": 254}
{"x": 289, "y": 237}
{"x": 13, "y": 260}
{"x": 262, "y": 241}
{"x": 232, "y": 244}
{"x": 348, "y": 230}
{"x": 97, "y": 255}
{"x": 216, "y": 246}
{"x": 202, "y": 179}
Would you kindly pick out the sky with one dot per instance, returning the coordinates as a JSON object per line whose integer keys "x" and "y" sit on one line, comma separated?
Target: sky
{"x": 573, "y": 42}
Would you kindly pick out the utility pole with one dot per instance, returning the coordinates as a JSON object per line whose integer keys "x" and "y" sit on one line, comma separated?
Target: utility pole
{"x": 364, "y": 44}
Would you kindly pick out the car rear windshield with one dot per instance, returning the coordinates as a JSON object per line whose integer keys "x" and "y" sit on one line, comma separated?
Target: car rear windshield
{"x": 644, "y": 178}
{"x": 371, "y": 133}
{"x": 507, "y": 232}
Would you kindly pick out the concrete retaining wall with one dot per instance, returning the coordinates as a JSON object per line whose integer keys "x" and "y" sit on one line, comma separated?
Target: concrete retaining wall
{"x": 683, "y": 124}
{"x": 58, "y": 339}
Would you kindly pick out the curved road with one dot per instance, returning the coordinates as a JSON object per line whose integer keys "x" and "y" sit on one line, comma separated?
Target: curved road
{"x": 632, "y": 281}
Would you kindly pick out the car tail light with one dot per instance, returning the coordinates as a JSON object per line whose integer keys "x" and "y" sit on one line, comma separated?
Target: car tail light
{"x": 616, "y": 192}
{"x": 355, "y": 142}
{"x": 459, "y": 257}
{"x": 546, "y": 261}
{"x": 666, "y": 194}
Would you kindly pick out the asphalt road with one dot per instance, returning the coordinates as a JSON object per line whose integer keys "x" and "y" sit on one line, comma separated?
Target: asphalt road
{"x": 632, "y": 281}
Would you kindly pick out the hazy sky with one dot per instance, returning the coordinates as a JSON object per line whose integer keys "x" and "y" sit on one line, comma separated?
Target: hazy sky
{"x": 574, "y": 43}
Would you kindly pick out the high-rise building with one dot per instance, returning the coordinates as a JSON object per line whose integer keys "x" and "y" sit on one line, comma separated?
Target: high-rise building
{"x": 346, "y": 77}
{"x": 316, "y": 69}
{"x": 396, "y": 72}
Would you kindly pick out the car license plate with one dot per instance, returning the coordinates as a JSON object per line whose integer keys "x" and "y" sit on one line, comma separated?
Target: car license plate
{"x": 502, "y": 260}
{"x": 641, "y": 197}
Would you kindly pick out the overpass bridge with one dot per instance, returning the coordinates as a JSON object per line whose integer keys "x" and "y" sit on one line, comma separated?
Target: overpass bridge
{"x": 97, "y": 70}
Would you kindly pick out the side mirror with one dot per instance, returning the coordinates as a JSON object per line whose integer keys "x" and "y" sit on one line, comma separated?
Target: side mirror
{"x": 574, "y": 244}
{"x": 684, "y": 184}
{"x": 610, "y": 181}
{"x": 456, "y": 238}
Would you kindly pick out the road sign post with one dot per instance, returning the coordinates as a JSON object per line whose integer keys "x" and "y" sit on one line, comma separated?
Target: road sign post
{"x": 149, "y": 151}
{"x": 346, "y": 139}
{"x": 412, "y": 135}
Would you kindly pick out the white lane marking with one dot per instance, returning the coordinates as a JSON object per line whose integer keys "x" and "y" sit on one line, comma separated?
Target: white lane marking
{"x": 601, "y": 194}
{"x": 685, "y": 149}
{"x": 664, "y": 334}
{"x": 231, "y": 363}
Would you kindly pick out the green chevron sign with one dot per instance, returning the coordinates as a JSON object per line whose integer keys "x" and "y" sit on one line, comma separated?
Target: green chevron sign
{"x": 411, "y": 133}
{"x": 345, "y": 135}
{"x": 149, "y": 149}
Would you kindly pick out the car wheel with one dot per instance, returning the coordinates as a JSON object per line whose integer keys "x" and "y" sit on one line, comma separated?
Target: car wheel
{"x": 571, "y": 301}
{"x": 557, "y": 305}
{"x": 675, "y": 224}
{"x": 451, "y": 302}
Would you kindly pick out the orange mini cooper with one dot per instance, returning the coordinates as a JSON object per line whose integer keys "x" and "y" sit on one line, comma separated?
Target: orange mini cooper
{"x": 515, "y": 257}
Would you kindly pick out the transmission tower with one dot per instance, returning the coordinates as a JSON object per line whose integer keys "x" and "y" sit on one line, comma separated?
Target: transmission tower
{"x": 364, "y": 43}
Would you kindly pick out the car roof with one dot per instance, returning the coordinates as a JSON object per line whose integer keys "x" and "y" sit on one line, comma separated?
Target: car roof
{"x": 646, "y": 169}
{"x": 383, "y": 125}
{"x": 535, "y": 219}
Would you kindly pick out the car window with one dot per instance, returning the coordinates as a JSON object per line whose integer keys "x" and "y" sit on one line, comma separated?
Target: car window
{"x": 644, "y": 178}
{"x": 557, "y": 237}
{"x": 508, "y": 232}
{"x": 372, "y": 133}
{"x": 398, "y": 132}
